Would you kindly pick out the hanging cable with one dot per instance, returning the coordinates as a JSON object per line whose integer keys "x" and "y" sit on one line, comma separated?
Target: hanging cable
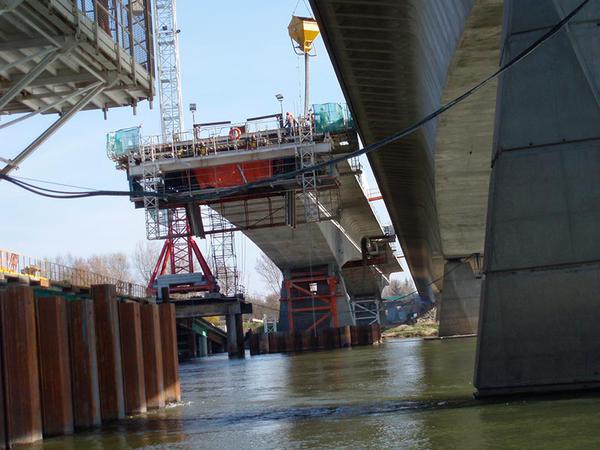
{"x": 436, "y": 280}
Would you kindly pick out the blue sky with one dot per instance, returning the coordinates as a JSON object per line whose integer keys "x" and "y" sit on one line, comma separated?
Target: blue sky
{"x": 235, "y": 56}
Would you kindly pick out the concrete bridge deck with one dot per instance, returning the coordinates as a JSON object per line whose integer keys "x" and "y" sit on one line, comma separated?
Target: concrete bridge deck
{"x": 397, "y": 62}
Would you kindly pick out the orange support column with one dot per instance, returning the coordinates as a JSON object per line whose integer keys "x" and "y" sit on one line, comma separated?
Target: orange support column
{"x": 108, "y": 345}
{"x": 134, "y": 385}
{"x": 153, "y": 363}
{"x": 55, "y": 366}
{"x": 84, "y": 364}
{"x": 20, "y": 366}
{"x": 168, "y": 332}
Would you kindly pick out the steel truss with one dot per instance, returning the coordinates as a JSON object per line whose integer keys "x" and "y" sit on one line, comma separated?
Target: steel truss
{"x": 322, "y": 304}
{"x": 178, "y": 254}
{"x": 366, "y": 311}
{"x": 60, "y": 56}
{"x": 167, "y": 40}
{"x": 224, "y": 257}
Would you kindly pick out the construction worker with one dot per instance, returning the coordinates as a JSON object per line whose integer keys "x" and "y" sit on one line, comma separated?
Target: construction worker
{"x": 290, "y": 123}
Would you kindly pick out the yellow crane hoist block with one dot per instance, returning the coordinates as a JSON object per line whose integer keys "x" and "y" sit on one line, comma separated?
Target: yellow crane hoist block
{"x": 304, "y": 31}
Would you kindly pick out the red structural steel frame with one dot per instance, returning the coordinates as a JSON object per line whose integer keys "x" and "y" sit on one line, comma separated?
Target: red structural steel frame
{"x": 178, "y": 254}
{"x": 328, "y": 301}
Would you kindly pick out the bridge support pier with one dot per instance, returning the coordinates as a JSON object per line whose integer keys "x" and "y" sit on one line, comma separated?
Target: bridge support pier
{"x": 538, "y": 329}
{"x": 459, "y": 308}
{"x": 235, "y": 336}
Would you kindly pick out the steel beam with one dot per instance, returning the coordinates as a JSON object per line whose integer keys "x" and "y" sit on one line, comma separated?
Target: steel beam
{"x": 52, "y": 129}
{"x": 60, "y": 101}
{"x": 28, "y": 78}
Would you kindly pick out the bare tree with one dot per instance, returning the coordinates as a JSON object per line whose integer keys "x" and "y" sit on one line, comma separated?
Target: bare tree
{"x": 145, "y": 256}
{"x": 114, "y": 265}
{"x": 270, "y": 274}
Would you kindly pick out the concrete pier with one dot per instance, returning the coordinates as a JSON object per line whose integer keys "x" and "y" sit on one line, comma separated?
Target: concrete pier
{"x": 459, "y": 309}
{"x": 235, "y": 343}
{"x": 108, "y": 345}
{"x": 134, "y": 385}
{"x": 539, "y": 323}
{"x": 55, "y": 366}
{"x": 84, "y": 364}
{"x": 20, "y": 366}
{"x": 168, "y": 334}
{"x": 153, "y": 363}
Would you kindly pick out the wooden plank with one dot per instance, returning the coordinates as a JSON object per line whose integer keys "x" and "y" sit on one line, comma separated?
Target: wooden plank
{"x": 108, "y": 348}
{"x": 55, "y": 366}
{"x": 134, "y": 385}
{"x": 153, "y": 364}
{"x": 168, "y": 332}
{"x": 20, "y": 366}
{"x": 84, "y": 364}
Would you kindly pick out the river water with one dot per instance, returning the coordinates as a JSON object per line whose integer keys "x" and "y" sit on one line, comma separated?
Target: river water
{"x": 403, "y": 394}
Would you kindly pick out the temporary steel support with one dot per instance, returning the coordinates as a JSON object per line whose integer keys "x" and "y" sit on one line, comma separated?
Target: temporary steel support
{"x": 366, "y": 311}
{"x": 222, "y": 244}
{"x": 178, "y": 252}
{"x": 306, "y": 155}
{"x": 99, "y": 87}
{"x": 324, "y": 301}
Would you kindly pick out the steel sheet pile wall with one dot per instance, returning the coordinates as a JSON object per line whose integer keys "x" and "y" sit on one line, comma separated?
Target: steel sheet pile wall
{"x": 326, "y": 339}
{"x": 68, "y": 364}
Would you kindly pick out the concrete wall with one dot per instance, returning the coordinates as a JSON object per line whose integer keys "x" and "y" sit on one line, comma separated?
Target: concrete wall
{"x": 539, "y": 329}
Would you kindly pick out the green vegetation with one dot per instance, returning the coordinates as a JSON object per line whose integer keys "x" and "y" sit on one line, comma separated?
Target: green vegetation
{"x": 420, "y": 329}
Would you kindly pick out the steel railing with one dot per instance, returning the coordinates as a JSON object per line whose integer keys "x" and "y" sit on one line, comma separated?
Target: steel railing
{"x": 15, "y": 264}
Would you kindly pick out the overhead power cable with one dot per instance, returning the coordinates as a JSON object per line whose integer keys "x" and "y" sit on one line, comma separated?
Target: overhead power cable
{"x": 58, "y": 194}
{"x": 366, "y": 150}
{"x": 431, "y": 283}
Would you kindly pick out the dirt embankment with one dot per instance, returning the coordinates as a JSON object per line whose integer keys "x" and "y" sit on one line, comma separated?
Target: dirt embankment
{"x": 426, "y": 326}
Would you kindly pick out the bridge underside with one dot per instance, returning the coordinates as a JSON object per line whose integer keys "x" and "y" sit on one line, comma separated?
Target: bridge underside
{"x": 334, "y": 244}
{"x": 435, "y": 181}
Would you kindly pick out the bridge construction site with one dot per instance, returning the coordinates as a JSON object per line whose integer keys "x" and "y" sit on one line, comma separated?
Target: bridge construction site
{"x": 488, "y": 173}
{"x": 209, "y": 182}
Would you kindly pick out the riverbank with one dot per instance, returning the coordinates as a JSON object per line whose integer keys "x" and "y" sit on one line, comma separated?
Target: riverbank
{"x": 422, "y": 329}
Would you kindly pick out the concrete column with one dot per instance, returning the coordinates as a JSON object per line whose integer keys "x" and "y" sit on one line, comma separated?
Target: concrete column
{"x": 153, "y": 363}
{"x": 134, "y": 385}
{"x": 239, "y": 324}
{"x": 539, "y": 324}
{"x": 169, "y": 352}
{"x": 84, "y": 364}
{"x": 55, "y": 366}
{"x": 108, "y": 347}
{"x": 232, "y": 340}
{"x": 20, "y": 366}
{"x": 203, "y": 345}
{"x": 459, "y": 309}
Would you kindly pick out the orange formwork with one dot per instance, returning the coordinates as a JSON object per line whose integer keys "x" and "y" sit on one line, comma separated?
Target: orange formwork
{"x": 228, "y": 175}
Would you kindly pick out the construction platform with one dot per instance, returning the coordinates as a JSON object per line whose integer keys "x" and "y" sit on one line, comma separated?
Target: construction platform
{"x": 54, "y": 53}
{"x": 319, "y": 223}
